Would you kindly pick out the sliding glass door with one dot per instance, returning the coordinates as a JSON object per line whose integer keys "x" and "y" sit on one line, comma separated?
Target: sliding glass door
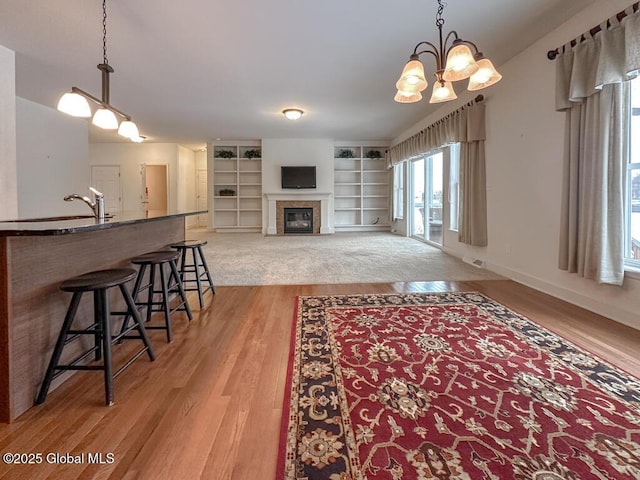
{"x": 426, "y": 198}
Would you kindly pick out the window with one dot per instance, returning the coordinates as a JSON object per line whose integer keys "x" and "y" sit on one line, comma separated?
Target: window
{"x": 454, "y": 185}
{"x": 398, "y": 191}
{"x": 632, "y": 204}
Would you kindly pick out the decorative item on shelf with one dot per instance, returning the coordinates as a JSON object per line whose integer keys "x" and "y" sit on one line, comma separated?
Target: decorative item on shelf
{"x": 224, "y": 154}
{"x": 227, "y": 192}
{"x": 454, "y": 61}
{"x": 255, "y": 153}
{"x": 75, "y": 102}
{"x": 345, "y": 153}
{"x": 373, "y": 154}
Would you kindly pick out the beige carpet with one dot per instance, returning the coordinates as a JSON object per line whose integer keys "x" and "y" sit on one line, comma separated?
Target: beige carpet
{"x": 253, "y": 259}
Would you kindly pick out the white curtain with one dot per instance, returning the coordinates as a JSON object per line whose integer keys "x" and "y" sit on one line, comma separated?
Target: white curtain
{"x": 592, "y": 88}
{"x": 466, "y": 126}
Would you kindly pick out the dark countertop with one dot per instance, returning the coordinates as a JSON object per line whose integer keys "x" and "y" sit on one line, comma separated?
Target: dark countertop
{"x": 66, "y": 224}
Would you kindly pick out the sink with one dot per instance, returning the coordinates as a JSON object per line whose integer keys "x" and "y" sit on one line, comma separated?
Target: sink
{"x": 55, "y": 219}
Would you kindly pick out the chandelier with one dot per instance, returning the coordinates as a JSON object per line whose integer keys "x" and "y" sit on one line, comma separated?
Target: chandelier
{"x": 76, "y": 102}
{"x": 454, "y": 61}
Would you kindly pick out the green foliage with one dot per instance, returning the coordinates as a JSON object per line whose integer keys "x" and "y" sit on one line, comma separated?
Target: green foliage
{"x": 224, "y": 154}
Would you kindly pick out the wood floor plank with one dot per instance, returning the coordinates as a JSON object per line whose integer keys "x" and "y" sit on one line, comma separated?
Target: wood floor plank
{"x": 210, "y": 406}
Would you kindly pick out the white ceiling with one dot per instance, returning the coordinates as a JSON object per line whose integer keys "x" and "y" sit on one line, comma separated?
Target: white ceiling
{"x": 189, "y": 71}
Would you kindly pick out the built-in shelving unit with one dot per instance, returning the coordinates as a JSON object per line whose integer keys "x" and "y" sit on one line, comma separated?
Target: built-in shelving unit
{"x": 237, "y": 188}
{"x": 361, "y": 188}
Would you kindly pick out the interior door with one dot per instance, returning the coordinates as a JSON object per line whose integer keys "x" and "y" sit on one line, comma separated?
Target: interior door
{"x": 106, "y": 179}
{"x": 201, "y": 192}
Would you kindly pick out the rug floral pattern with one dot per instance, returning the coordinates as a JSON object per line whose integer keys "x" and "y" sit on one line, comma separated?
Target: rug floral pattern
{"x": 449, "y": 386}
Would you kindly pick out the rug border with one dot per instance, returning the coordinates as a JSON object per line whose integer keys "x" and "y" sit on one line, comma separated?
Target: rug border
{"x": 286, "y": 409}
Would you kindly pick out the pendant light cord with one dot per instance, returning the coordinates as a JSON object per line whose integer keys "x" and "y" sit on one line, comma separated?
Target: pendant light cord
{"x": 104, "y": 32}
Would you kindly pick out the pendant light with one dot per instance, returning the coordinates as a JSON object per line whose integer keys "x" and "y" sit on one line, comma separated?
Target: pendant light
{"x": 455, "y": 60}
{"x": 76, "y": 102}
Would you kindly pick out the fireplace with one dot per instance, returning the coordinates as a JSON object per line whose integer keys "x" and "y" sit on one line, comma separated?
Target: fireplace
{"x": 298, "y": 220}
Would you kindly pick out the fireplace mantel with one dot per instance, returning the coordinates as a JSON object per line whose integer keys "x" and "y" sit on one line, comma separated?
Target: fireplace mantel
{"x": 326, "y": 208}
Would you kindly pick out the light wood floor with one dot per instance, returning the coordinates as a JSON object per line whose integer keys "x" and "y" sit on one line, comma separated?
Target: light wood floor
{"x": 209, "y": 407}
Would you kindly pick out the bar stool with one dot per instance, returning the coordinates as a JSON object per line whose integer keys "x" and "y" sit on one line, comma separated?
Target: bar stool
{"x": 168, "y": 285}
{"x": 98, "y": 282}
{"x": 198, "y": 268}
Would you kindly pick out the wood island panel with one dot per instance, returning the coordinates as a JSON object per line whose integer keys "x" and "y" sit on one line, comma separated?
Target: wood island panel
{"x": 33, "y": 307}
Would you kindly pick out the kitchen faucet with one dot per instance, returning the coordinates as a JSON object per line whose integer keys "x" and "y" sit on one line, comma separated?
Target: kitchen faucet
{"x": 97, "y": 205}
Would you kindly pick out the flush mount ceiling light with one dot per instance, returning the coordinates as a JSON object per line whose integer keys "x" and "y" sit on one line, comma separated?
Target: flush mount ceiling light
{"x": 76, "y": 103}
{"x": 454, "y": 61}
{"x": 292, "y": 113}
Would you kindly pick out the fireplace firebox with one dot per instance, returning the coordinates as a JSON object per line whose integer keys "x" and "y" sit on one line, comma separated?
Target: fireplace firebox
{"x": 298, "y": 220}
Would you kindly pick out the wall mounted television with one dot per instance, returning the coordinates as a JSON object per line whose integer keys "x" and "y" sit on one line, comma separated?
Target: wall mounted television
{"x": 298, "y": 177}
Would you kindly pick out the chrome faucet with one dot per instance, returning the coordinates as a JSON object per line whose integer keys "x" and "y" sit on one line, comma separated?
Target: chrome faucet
{"x": 97, "y": 205}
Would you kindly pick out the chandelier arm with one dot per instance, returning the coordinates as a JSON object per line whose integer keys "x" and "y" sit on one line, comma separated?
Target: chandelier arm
{"x": 446, "y": 40}
{"x": 435, "y": 54}
{"x": 97, "y": 101}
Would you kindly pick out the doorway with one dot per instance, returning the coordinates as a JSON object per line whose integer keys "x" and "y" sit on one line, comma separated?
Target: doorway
{"x": 154, "y": 187}
{"x": 426, "y": 194}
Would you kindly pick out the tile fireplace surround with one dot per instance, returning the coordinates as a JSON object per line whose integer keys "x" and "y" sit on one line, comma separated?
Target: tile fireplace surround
{"x": 320, "y": 202}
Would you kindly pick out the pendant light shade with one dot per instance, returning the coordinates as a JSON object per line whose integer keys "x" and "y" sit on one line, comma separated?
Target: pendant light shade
{"x": 486, "y": 76}
{"x": 74, "y": 104}
{"x": 105, "y": 118}
{"x": 292, "y": 113}
{"x": 128, "y": 129}
{"x": 407, "y": 97}
{"x": 412, "y": 78}
{"x": 456, "y": 59}
{"x": 442, "y": 92}
{"x": 460, "y": 64}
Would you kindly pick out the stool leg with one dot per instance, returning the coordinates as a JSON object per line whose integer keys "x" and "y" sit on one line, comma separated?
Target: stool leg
{"x": 134, "y": 295}
{"x": 136, "y": 318}
{"x": 151, "y": 290}
{"x": 103, "y": 318}
{"x": 196, "y": 268}
{"x": 165, "y": 301}
{"x": 206, "y": 270}
{"x": 183, "y": 296}
{"x": 57, "y": 351}
{"x": 183, "y": 261}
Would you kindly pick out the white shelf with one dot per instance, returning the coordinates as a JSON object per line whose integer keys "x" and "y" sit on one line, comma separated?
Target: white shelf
{"x": 360, "y": 181}
{"x": 242, "y": 211}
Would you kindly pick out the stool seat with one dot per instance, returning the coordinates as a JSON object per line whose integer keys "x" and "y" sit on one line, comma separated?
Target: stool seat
{"x": 189, "y": 244}
{"x": 155, "y": 258}
{"x": 98, "y": 280}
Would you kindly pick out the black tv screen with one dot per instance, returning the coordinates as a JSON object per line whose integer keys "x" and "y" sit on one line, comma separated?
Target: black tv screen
{"x": 298, "y": 177}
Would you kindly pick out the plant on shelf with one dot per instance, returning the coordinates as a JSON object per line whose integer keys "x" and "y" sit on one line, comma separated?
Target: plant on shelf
{"x": 227, "y": 192}
{"x": 373, "y": 154}
{"x": 345, "y": 153}
{"x": 255, "y": 153}
{"x": 224, "y": 154}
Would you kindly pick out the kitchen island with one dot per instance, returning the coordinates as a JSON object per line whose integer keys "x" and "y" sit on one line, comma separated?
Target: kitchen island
{"x": 36, "y": 255}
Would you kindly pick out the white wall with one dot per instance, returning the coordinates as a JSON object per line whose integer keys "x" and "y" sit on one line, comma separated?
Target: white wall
{"x": 186, "y": 183}
{"x": 52, "y": 152}
{"x": 8, "y": 168}
{"x": 130, "y": 157}
{"x": 524, "y": 151}
{"x": 277, "y": 152}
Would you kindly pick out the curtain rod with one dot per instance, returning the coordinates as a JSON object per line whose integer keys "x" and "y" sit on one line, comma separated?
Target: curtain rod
{"x": 552, "y": 54}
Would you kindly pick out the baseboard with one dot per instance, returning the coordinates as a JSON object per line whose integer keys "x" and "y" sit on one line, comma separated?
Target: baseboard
{"x": 571, "y": 296}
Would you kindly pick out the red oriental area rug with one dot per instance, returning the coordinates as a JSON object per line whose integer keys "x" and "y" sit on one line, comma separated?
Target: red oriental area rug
{"x": 449, "y": 386}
